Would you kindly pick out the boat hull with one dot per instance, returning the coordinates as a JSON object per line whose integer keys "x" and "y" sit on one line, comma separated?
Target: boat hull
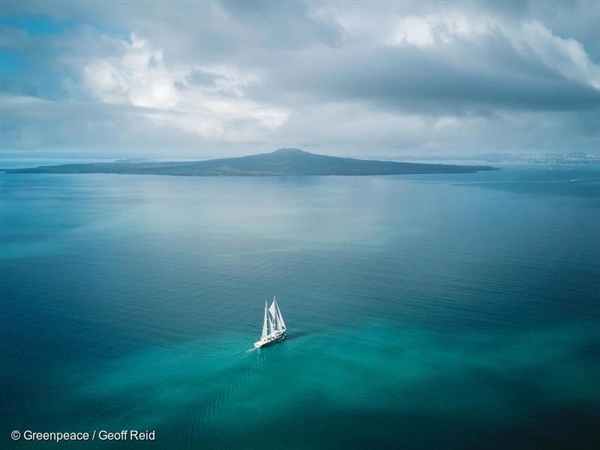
{"x": 271, "y": 339}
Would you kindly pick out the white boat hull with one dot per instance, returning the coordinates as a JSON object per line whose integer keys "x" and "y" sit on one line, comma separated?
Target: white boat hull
{"x": 270, "y": 339}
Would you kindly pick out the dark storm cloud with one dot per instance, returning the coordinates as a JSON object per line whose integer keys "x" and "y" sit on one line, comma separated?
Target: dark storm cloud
{"x": 411, "y": 79}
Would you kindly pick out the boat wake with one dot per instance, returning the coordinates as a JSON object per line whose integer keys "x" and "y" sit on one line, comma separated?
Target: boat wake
{"x": 211, "y": 405}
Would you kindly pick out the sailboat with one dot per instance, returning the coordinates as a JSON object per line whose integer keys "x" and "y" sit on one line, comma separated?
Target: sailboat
{"x": 273, "y": 326}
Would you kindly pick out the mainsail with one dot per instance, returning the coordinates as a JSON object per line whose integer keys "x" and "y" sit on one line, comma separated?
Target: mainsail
{"x": 265, "y": 330}
{"x": 273, "y": 325}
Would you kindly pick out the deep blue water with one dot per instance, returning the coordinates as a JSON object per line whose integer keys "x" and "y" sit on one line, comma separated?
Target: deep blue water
{"x": 423, "y": 312}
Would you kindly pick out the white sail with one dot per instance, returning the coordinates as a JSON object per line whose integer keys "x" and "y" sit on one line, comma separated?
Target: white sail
{"x": 274, "y": 315}
{"x": 273, "y": 325}
{"x": 280, "y": 319}
{"x": 271, "y": 322}
{"x": 264, "y": 330}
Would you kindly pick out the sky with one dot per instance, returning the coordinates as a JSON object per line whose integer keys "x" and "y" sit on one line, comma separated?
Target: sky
{"x": 204, "y": 79}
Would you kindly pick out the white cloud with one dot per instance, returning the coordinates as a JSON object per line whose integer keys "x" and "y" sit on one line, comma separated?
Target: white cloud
{"x": 136, "y": 76}
{"x": 217, "y": 108}
{"x": 566, "y": 56}
{"x": 430, "y": 30}
{"x": 407, "y": 24}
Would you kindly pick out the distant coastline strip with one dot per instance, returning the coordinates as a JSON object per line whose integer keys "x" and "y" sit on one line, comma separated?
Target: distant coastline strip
{"x": 278, "y": 163}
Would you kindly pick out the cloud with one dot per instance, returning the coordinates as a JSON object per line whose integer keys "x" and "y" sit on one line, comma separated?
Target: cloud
{"x": 429, "y": 30}
{"x": 35, "y": 124}
{"x": 440, "y": 64}
{"x": 210, "y": 99}
{"x": 565, "y": 56}
{"x": 389, "y": 77}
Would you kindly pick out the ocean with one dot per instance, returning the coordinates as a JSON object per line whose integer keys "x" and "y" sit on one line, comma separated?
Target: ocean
{"x": 423, "y": 311}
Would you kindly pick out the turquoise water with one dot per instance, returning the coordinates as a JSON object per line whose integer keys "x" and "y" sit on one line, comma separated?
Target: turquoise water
{"x": 424, "y": 312}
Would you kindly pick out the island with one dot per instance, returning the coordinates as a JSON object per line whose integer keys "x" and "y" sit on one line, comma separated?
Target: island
{"x": 285, "y": 161}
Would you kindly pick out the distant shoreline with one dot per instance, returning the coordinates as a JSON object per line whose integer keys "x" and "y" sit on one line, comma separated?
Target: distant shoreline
{"x": 278, "y": 163}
